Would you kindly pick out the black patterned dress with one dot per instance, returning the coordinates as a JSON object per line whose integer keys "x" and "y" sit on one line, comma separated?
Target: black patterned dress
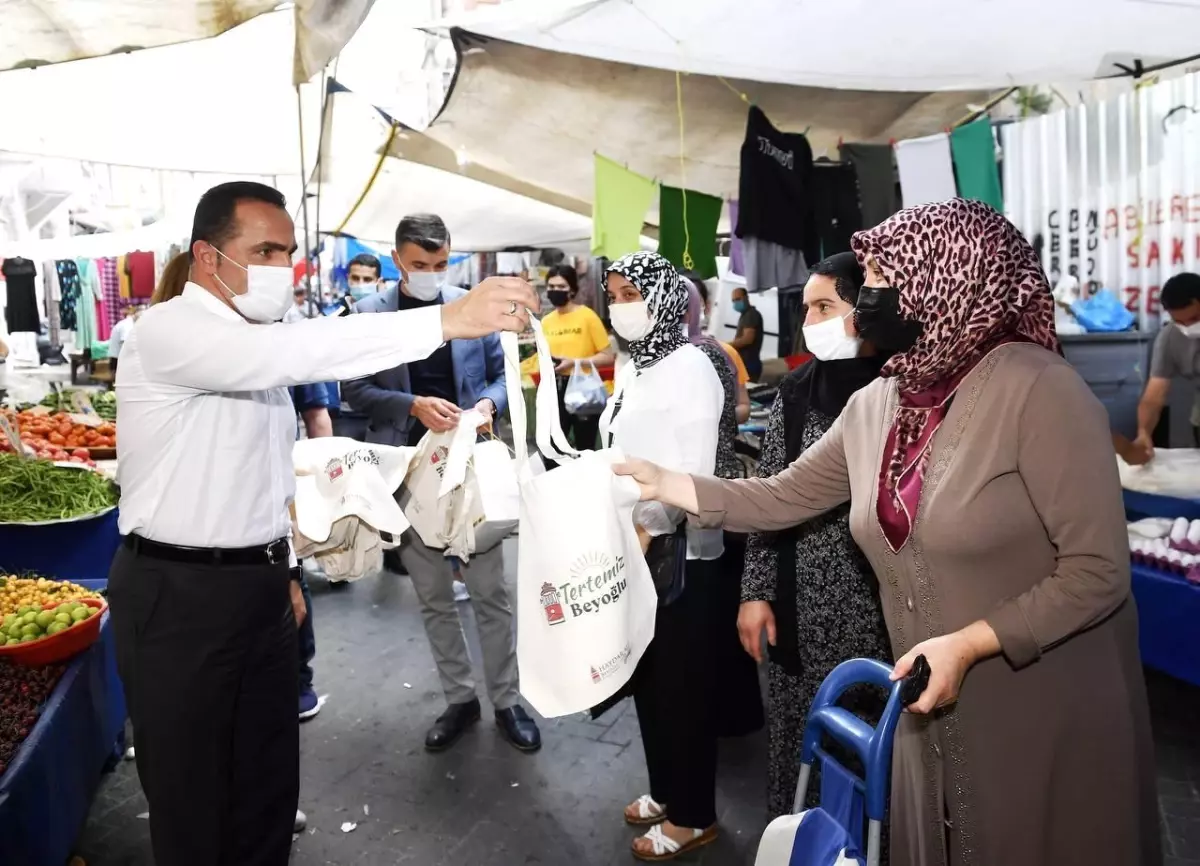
{"x": 728, "y": 465}
{"x": 838, "y": 617}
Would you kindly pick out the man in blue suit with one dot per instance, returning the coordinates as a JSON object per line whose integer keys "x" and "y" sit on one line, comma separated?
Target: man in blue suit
{"x": 403, "y": 403}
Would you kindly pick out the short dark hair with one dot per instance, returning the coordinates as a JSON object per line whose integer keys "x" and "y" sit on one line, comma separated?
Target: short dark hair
{"x": 426, "y": 230}
{"x": 367, "y": 261}
{"x": 846, "y": 273}
{"x": 215, "y": 220}
{"x": 568, "y": 273}
{"x": 1181, "y": 291}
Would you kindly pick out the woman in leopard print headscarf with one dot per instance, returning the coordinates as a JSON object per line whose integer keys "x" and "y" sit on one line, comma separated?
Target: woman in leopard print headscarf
{"x": 997, "y": 531}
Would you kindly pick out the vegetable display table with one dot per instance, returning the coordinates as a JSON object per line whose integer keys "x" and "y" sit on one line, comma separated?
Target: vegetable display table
{"x": 79, "y": 550}
{"x": 1168, "y": 604}
{"x": 47, "y": 790}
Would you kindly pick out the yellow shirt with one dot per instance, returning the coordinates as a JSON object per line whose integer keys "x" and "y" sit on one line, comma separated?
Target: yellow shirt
{"x": 738, "y": 364}
{"x": 577, "y": 334}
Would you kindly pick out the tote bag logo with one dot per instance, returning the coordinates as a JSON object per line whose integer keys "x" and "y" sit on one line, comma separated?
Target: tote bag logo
{"x": 552, "y": 605}
{"x": 597, "y": 581}
{"x": 438, "y": 459}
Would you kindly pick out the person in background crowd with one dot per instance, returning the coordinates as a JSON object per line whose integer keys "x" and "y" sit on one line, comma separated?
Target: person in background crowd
{"x": 741, "y": 411}
{"x": 303, "y": 307}
{"x": 749, "y": 337}
{"x": 119, "y": 333}
{"x": 810, "y": 589}
{"x": 363, "y": 275}
{"x": 174, "y": 277}
{"x": 986, "y": 497}
{"x": 1176, "y": 355}
{"x": 671, "y": 411}
{"x": 204, "y": 467}
{"x": 402, "y": 404}
{"x": 574, "y": 333}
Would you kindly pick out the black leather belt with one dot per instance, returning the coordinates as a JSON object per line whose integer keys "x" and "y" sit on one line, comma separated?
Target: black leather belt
{"x": 264, "y": 554}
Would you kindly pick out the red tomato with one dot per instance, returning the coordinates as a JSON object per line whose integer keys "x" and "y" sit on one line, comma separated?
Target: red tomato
{"x": 81, "y": 453}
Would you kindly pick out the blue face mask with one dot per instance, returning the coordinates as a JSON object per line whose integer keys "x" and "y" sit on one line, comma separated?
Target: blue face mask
{"x": 360, "y": 291}
{"x": 741, "y": 306}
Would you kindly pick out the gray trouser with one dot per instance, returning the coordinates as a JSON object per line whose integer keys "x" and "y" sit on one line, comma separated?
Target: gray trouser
{"x": 484, "y": 576}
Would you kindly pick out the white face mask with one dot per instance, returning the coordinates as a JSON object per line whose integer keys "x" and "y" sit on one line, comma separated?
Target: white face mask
{"x": 828, "y": 341}
{"x": 1192, "y": 330}
{"x": 632, "y": 321}
{"x": 424, "y": 285}
{"x": 268, "y": 292}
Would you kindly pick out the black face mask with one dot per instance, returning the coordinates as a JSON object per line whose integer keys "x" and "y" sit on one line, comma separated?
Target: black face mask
{"x": 558, "y": 297}
{"x": 878, "y": 319}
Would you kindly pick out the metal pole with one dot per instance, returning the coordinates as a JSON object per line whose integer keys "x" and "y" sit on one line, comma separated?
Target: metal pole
{"x": 303, "y": 190}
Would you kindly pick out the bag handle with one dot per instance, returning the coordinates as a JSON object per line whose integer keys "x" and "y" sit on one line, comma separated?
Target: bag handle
{"x": 552, "y": 442}
{"x": 462, "y": 444}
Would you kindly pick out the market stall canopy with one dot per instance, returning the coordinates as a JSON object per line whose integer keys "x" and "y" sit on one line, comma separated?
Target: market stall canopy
{"x": 918, "y": 45}
{"x": 40, "y": 32}
{"x": 185, "y": 107}
{"x": 539, "y": 117}
{"x": 484, "y": 211}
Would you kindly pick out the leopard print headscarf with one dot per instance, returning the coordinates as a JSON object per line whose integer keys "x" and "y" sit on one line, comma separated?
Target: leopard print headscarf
{"x": 666, "y": 301}
{"x": 972, "y": 280}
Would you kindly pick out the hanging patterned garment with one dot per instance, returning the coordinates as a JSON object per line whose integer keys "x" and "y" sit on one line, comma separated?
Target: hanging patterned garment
{"x": 110, "y": 286}
{"x": 90, "y": 287}
{"x": 68, "y": 280}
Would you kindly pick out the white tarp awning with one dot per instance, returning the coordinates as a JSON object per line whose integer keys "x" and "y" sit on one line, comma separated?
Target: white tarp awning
{"x": 539, "y": 117}
{"x": 225, "y": 104}
{"x": 40, "y": 32}
{"x": 481, "y": 215}
{"x": 916, "y": 45}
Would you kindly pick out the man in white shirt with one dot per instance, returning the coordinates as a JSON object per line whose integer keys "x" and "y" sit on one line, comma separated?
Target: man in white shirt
{"x": 203, "y": 606}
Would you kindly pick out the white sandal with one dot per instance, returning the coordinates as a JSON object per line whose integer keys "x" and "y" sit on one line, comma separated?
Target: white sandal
{"x": 648, "y": 812}
{"x": 663, "y": 847}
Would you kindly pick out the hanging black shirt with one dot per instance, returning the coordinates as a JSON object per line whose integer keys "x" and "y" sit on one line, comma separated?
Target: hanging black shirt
{"x": 836, "y": 211}
{"x": 775, "y": 188}
{"x": 432, "y": 377}
{"x": 21, "y": 310}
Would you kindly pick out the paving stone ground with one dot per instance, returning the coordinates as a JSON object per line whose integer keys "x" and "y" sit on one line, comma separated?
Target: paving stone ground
{"x": 485, "y": 804}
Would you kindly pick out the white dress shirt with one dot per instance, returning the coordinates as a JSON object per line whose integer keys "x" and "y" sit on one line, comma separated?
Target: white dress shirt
{"x": 670, "y": 414}
{"x": 206, "y": 423}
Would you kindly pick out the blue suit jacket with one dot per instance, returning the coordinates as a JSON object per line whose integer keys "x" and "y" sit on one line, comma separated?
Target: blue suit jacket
{"x": 386, "y": 398}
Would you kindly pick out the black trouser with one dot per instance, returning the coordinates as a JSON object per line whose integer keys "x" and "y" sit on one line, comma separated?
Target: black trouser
{"x": 207, "y": 655}
{"x": 677, "y": 697}
{"x": 306, "y": 638}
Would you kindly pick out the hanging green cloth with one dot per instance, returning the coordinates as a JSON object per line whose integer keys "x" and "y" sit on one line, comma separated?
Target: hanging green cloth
{"x": 974, "y": 152}
{"x": 619, "y": 207}
{"x": 696, "y": 235}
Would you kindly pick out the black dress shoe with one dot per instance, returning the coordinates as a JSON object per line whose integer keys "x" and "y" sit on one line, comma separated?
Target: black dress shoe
{"x": 519, "y": 729}
{"x": 451, "y": 725}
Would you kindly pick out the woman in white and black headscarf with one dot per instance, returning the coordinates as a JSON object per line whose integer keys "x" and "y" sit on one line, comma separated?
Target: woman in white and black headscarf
{"x": 667, "y": 408}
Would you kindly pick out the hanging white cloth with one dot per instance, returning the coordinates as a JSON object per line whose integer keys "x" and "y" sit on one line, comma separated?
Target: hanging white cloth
{"x": 926, "y": 169}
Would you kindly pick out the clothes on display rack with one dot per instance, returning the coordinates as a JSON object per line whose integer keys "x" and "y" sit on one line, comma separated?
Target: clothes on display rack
{"x": 51, "y": 295}
{"x": 737, "y": 257}
{"x": 89, "y": 280}
{"x": 110, "y": 287}
{"x": 769, "y": 265}
{"x": 21, "y": 309}
{"x": 875, "y": 165}
{"x": 775, "y": 186}
{"x": 123, "y": 277}
{"x": 86, "y": 325}
{"x": 140, "y": 266}
{"x": 973, "y": 146}
{"x": 926, "y": 170}
{"x": 689, "y": 227}
{"x": 836, "y": 211}
{"x": 68, "y": 280}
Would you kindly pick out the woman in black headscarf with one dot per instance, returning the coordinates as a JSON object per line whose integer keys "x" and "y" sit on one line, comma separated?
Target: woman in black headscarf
{"x": 810, "y": 588}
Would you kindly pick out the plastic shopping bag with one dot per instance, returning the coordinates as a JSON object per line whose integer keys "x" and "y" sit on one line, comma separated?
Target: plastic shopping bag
{"x": 585, "y": 394}
{"x": 586, "y": 602}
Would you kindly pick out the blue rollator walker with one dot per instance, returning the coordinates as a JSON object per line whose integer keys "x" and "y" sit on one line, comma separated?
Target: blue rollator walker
{"x": 832, "y": 833}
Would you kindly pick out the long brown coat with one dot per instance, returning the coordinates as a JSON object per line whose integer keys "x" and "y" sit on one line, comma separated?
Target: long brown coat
{"x": 1046, "y": 758}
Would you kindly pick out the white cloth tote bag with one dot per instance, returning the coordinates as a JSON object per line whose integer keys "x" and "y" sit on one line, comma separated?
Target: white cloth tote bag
{"x": 586, "y": 602}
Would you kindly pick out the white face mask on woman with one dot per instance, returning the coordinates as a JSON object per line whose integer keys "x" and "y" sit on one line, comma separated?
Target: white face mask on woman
{"x": 631, "y": 321}
{"x": 268, "y": 292}
{"x": 828, "y": 340}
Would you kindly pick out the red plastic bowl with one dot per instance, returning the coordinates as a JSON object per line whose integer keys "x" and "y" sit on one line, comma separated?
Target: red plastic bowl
{"x": 68, "y": 643}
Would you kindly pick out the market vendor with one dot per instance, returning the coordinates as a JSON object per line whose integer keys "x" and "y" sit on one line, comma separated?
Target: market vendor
{"x": 1176, "y": 355}
{"x": 200, "y": 591}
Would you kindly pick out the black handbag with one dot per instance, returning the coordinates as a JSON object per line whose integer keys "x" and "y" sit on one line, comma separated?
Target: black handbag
{"x": 667, "y": 558}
